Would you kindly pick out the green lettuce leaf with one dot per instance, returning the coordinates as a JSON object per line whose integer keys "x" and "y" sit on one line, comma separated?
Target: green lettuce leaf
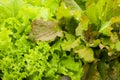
{"x": 70, "y": 42}
{"x": 63, "y": 11}
{"x": 10, "y": 8}
{"x": 91, "y": 12}
{"x": 101, "y": 10}
{"x": 86, "y": 53}
{"x": 5, "y": 40}
{"x": 83, "y": 25}
{"x": 106, "y": 27}
{"x": 72, "y": 4}
{"x": 71, "y": 65}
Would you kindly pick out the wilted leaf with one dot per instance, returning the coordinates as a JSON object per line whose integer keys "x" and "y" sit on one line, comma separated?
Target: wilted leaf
{"x": 44, "y": 30}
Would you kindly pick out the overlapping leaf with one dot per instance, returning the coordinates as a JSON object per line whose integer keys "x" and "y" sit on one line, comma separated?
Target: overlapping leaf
{"x": 44, "y": 30}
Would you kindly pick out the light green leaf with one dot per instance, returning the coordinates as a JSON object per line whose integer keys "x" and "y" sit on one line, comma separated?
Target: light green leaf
{"x": 72, "y": 4}
{"x": 68, "y": 45}
{"x": 95, "y": 43}
{"x": 69, "y": 63}
{"x": 117, "y": 46}
{"x": 10, "y": 8}
{"x": 92, "y": 14}
{"x": 63, "y": 11}
{"x": 114, "y": 37}
{"x": 29, "y": 12}
{"x": 100, "y": 5}
{"x": 5, "y": 40}
{"x": 83, "y": 25}
{"x": 34, "y": 2}
{"x": 110, "y": 11}
{"x": 86, "y": 53}
{"x": 51, "y": 4}
{"x": 106, "y": 27}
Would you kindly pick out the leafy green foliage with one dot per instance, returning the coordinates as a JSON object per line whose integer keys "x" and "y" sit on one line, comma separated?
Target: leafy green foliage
{"x": 20, "y": 58}
{"x": 57, "y": 39}
{"x": 5, "y": 40}
{"x": 9, "y": 8}
{"x": 86, "y": 53}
